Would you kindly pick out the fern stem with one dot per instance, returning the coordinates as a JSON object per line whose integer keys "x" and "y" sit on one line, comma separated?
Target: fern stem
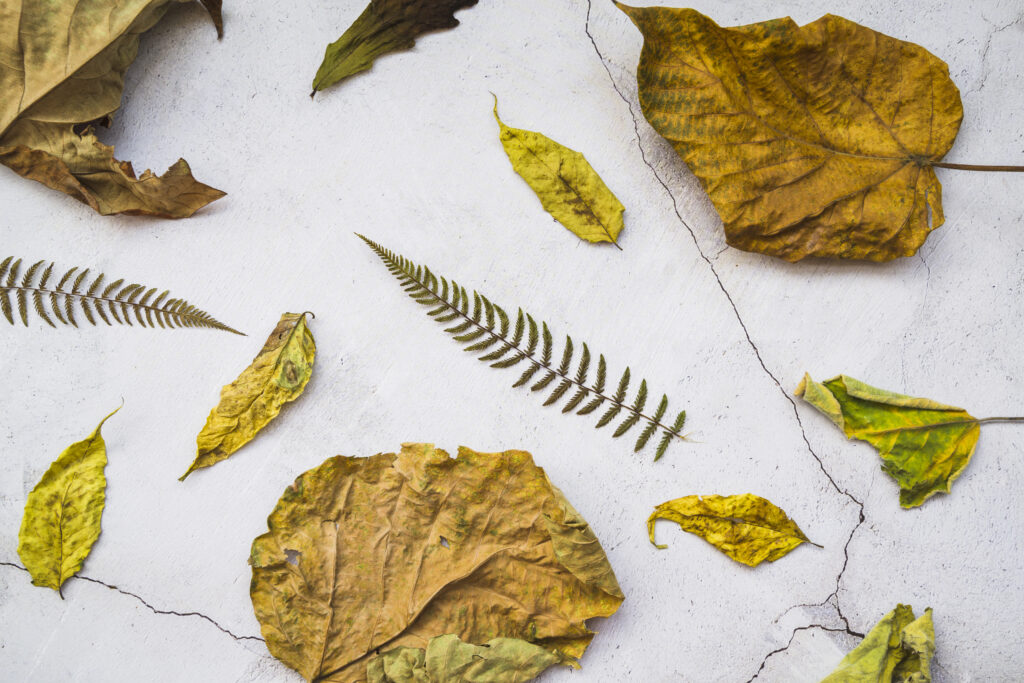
{"x": 565, "y": 376}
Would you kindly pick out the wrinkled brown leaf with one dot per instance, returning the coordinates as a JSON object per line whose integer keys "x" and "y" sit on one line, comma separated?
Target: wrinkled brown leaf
{"x": 372, "y": 554}
{"x": 62, "y": 69}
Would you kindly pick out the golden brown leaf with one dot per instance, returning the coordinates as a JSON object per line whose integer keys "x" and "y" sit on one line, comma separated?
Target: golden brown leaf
{"x": 277, "y": 375}
{"x": 372, "y": 554}
{"x": 62, "y": 69}
{"x": 811, "y": 141}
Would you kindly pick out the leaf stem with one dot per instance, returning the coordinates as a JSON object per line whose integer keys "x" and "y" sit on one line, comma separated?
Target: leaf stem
{"x": 977, "y": 167}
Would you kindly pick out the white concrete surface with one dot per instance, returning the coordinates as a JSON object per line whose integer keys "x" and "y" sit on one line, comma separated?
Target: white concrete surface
{"x": 409, "y": 155}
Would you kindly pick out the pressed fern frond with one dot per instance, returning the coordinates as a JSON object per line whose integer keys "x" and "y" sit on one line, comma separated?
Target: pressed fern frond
{"x": 485, "y": 326}
{"x": 75, "y": 291}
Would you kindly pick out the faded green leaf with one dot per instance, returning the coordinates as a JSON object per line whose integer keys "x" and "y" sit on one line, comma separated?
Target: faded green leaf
{"x": 898, "y": 649}
{"x": 447, "y": 660}
{"x": 62, "y": 69}
{"x": 384, "y": 26}
{"x": 566, "y": 184}
{"x": 924, "y": 445}
{"x": 747, "y": 528}
{"x": 816, "y": 140}
{"x": 277, "y": 375}
{"x": 394, "y": 550}
{"x": 63, "y": 512}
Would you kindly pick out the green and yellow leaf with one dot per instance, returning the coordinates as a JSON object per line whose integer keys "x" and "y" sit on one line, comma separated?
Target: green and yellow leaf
{"x": 747, "y": 528}
{"x": 384, "y": 26}
{"x": 446, "y": 658}
{"x": 63, "y": 512}
{"x": 898, "y": 649}
{"x": 277, "y": 375}
{"x": 396, "y": 550}
{"x": 62, "y": 68}
{"x": 566, "y": 184}
{"x": 924, "y": 445}
{"x": 816, "y": 140}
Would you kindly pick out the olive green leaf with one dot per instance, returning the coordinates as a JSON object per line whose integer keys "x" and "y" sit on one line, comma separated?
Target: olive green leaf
{"x": 566, "y": 184}
{"x": 62, "y": 67}
{"x": 366, "y": 555}
{"x": 924, "y": 445}
{"x": 277, "y": 375}
{"x": 488, "y": 330}
{"x": 63, "y": 511}
{"x": 747, "y": 528}
{"x": 816, "y": 140}
{"x": 448, "y": 659}
{"x": 898, "y": 649}
{"x": 384, "y": 26}
{"x": 92, "y": 299}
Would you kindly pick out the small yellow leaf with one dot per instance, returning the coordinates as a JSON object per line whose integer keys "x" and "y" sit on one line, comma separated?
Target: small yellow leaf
{"x": 278, "y": 375}
{"x": 63, "y": 512}
{"x": 747, "y": 528}
{"x": 898, "y": 649}
{"x": 566, "y": 184}
{"x": 924, "y": 445}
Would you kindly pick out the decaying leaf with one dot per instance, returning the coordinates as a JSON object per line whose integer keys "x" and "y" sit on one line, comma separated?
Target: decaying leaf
{"x": 384, "y": 26}
{"x": 566, "y": 184}
{"x": 277, "y": 375}
{"x": 898, "y": 649}
{"x": 817, "y": 140}
{"x": 62, "y": 69}
{"x": 924, "y": 445}
{"x": 365, "y": 555}
{"x": 446, "y": 658}
{"x": 63, "y": 512}
{"x": 747, "y": 528}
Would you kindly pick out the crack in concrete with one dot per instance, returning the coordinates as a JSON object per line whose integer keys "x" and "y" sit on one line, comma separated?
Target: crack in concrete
{"x": 833, "y": 598}
{"x": 792, "y": 637}
{"x": 148, "y": 606}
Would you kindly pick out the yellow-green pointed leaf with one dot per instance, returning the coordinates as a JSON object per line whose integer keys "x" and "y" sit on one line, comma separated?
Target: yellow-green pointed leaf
{"x": 898, "y": 649}
{"x": 396, "y": 549}
{"x": 747, "y": 528}
{"x": 924, "y": 445}
{"x": 447, "y": 658}
{"x": 63, "y": 512}
{"x": 566, "y": 184}
{"x": 277, "y": 375}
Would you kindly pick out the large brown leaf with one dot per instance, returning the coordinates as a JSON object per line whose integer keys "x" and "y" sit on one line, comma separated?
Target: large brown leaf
{"x": 365, "y": 555}
{"x": 62, "y": 69}
{"x": 814, "y": 140}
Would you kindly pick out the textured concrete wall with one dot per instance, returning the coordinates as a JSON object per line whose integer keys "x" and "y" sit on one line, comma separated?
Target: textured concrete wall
{"x": 408, "y": 154}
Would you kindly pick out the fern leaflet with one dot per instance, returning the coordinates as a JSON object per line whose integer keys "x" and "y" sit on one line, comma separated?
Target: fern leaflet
{"x": 472, "y": 319}
{"x": 73, "y": 293}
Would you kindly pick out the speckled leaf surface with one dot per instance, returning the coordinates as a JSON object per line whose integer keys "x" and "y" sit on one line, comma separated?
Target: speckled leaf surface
{"x": 278, "y": 375}
{"x": 747, "y": 528}
{"x": 384, "y": 26}
{"x": 62, "y": 68}
{"x": 899, "y": 649}
{"x": 447, "y": 659}
{"x": 924, "y": 445}
{"x": 371, "y": 554}
{"x": 813, "y": 140}
{"x": 567, "y": 185}
{"x": 63, "y": 512}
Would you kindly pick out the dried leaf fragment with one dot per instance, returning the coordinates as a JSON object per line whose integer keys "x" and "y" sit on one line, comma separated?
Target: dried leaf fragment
{"x": 924, "y": 445}
{"x": 567, "y": 185}
{"x": 384, "y": 26}
{"x": 392, "y": 551}
{"x": 62, "y": 69}
{"x": 813, "y": 140}
{"x": 63, "y": 512}
{"x": 899, "y": 649}
{"x": 277, "y": 375}
{"x": 446, "y": 658}
{"x": 747, "y": 528}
